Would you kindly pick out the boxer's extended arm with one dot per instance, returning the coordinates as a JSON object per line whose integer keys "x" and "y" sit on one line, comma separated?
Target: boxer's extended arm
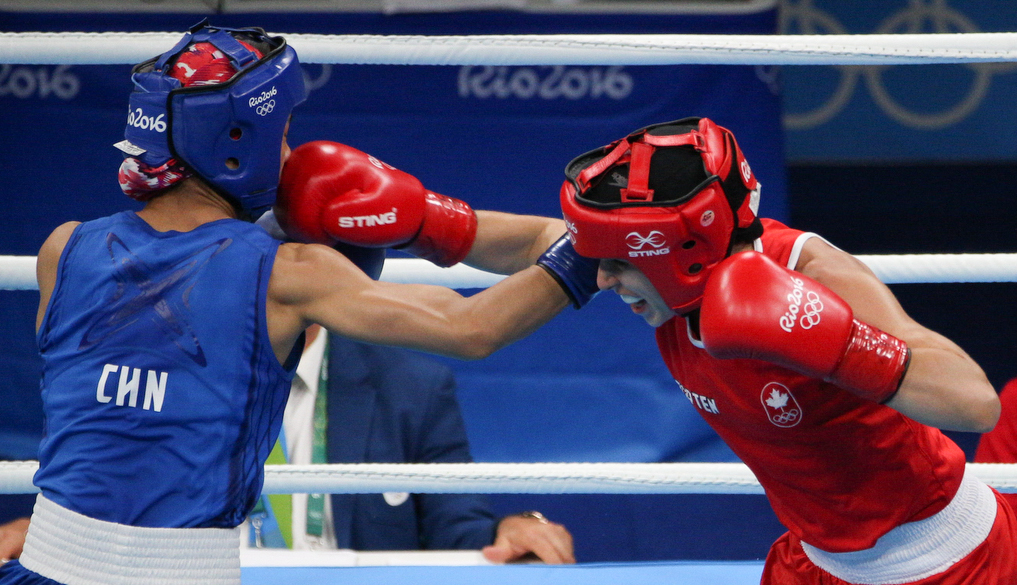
{"x": 314, "y": 284}
{"x": 508, "y": 243}
{"x": 332, "y": 192}
{"x": 944, "y": 387}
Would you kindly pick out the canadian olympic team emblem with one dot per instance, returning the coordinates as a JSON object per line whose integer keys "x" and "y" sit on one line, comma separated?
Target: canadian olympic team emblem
{"x": 780, "y": 405}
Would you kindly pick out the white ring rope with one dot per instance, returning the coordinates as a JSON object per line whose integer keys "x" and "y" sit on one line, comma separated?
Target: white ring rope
{"x": 66, "y": 48}
{"x": 18, "y": 272}
{"x": 510, "y": 478}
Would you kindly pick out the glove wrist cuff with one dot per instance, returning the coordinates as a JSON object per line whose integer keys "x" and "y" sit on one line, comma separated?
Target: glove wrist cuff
{"x": 447, "y": 232}
{"x": 873, "y": 364}
{"x": 577, "y": 275}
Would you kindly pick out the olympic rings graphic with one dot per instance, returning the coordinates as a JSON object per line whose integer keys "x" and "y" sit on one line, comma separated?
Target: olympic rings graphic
{"x": 786, "y": 417}
{"x": 266, "y": 108}
{"x": 814, "y": 306}
{"x": 919, "y": 16}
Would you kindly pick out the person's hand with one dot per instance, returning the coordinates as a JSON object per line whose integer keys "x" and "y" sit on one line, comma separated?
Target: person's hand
{"x": 12, "y": 539}
{"x": 530, "y": 533}
{"x": 330, "y": 192}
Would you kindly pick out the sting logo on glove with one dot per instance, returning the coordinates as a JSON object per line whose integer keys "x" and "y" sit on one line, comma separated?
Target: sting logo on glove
{"x": 331, "y": 192}
{"x": 368, "y": 220}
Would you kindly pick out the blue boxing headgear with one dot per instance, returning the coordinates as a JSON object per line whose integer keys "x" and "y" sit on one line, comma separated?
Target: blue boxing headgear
{"x": 229, "y": 133}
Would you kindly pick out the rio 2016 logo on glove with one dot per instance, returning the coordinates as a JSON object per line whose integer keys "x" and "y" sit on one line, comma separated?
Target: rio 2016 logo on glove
{"x": 813, "y": 307}
{"x": 380, "y": 164}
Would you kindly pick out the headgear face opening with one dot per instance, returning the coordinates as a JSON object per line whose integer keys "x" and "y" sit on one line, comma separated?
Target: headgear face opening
{"x": 229, "y": 133}
{"x": 667, "y": 198}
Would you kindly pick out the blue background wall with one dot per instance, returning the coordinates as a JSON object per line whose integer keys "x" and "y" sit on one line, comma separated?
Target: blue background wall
{"x": 903, "y": 113}
{"x": 608, "y": 398}
{"x": 872, "y": 177}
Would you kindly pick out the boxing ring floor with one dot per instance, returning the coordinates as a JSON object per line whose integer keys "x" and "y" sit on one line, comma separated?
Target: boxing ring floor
{"x": 648, "y": 573}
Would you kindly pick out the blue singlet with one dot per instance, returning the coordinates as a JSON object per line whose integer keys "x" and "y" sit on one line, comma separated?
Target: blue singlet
{"x": 161, "y": 391}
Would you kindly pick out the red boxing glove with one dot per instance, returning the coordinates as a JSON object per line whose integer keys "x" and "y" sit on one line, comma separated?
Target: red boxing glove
{"x": 755, "y": 308}
{"x": 331, "y": 192}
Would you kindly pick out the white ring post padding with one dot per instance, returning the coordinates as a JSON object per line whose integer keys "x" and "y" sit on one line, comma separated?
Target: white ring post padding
{"x": 72, "y": 48}
{"x": 16, "y": 477}
{"x": 18, "y": 272}
{"x": 510, "y": 478}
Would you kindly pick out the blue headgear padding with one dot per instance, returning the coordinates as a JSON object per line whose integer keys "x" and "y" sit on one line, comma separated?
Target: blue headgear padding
{"x": 228, "y": 133}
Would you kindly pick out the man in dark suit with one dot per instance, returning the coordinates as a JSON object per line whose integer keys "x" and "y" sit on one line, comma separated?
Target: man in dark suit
{"x": 388, "y": 405}
{"x": 395, "y": 406}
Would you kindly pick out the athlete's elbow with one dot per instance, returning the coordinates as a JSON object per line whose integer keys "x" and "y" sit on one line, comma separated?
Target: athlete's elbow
{"x": 477, "y": 343}
{"x": 472, "y": 354}
{"x": 979, "y": 412}
{"x": 985, "y": 414}
{"x": 478, "y": 350}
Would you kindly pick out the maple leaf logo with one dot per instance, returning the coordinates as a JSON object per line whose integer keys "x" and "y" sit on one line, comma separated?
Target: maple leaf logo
{"x": 777, "y": 399}
{"x": 780, "y": 404}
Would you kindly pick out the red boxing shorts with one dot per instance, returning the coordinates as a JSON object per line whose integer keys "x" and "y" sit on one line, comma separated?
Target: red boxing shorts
{"x": 993, "y": 562}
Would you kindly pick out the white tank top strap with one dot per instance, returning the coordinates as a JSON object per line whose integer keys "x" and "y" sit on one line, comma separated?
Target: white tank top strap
{"x": 796, "y": 248}
{"x": 77, "y": 550}
{"x": 916, "y": 550}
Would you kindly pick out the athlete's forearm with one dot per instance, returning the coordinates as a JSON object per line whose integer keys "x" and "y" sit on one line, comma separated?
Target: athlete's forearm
{"x": 508, "y": 243}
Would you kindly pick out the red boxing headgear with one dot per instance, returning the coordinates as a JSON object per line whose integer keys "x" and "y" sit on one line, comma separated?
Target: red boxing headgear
{"x": 668, "y": 199}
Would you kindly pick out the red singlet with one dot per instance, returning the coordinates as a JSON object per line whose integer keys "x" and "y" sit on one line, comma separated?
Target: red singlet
{"x": 838, "y": 470}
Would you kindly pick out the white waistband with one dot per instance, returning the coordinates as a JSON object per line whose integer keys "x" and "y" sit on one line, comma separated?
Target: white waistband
{"x": 917, "y": 550}
{"x": 77, "y": 550}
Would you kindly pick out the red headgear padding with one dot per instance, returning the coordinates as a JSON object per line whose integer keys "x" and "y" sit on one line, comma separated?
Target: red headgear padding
{"x": 667, "y": 199}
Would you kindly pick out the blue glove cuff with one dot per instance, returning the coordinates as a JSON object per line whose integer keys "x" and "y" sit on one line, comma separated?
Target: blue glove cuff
{"x": 577, "y": 275}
